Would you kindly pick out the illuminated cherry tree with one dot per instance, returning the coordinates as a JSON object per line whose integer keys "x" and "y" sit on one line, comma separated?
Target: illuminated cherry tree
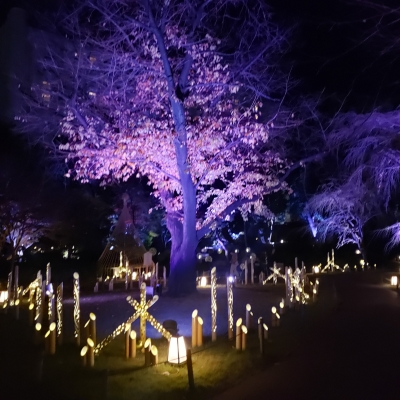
{"x": 185, "y": 93}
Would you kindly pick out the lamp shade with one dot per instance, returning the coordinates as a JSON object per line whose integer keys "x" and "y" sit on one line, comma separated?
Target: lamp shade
{"x": 177, "y": 350}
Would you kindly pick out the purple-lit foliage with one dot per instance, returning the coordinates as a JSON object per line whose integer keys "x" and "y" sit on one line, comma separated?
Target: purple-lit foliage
{"x": 182, "y": 92}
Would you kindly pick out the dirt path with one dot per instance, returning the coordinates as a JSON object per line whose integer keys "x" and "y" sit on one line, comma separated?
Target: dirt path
{"x": 352, "y": 353}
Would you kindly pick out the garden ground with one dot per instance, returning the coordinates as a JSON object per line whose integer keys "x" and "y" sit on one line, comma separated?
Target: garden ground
{"x": 346, "y": 346}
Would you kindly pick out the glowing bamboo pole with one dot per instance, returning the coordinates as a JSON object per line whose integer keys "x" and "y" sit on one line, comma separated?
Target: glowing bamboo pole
{"x": 132, "y": 344}
{"x": 77, "y": 310}
{"x": 265, "y": 331}
{"x": 60, "y": 290}
{"x": 194, "y": 328}
{"x": 147, "y": 346}
{"x": 143, "y": 315}
{"x": 84, "y": 353}
{"x": 92, "y": 327}
{"x": 16, "y": 306}
{"x": 249, "y": 317}
{"x": 9, "y": 290}
{"x": 229, "y": 292}
{"x": 16, "y": 278}
{"x": 153, "y": 355}
{"x": 282, "y": 306}
{"x": 90, "y": 355}
{"x": 214, "y": 304}
{"x": 127, "y": 339}
{"x": 52, "y": 347}
{"x": 48, "y": 274}
{"x": 38, "y": 313}
{"x": 273, "y": 317}
{"x": 200, "y": 331}
{"x": 244, "y": 337}
{"x": 239, "y": 334}
{"x": 51, "y": 308}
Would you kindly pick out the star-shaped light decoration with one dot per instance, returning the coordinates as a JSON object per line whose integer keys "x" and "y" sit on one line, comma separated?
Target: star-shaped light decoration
{"x": 276, "y": 273}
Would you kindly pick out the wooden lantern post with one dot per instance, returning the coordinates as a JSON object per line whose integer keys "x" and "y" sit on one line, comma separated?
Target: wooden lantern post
{"x": 147, "y": 348}
{"x": 52, "y": 328}
{"x": 90, "y": 355}
{"x": 127, "y": 340}
{"x": 153, "y": 355}
{"x": 84, "y": 356}
{"x": 261, "y": 335}
{"x": 249, "y": 317}
{"x": 92, "y": 327}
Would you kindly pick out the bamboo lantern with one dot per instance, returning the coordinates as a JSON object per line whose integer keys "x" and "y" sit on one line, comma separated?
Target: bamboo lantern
{"x": 154, "y": 355}
{"x": 77, "y": 310}
{"x": 132, "y": 344}
{"x": 84, "y": 355}
{"x": 239, "y": 334}
{"x": 86, "y": 333}
{"x": 245, "y": 273}
{"x": 47, "y": 342}
{"x": 31, "y": 313}
{"x": 60, "y": 289}
{"x": 194, "y": 328}
{"x": 50, "y": 308}
{"x": 214, "y": 304}
{"x": 229, "y": 289}
{"x": 127, "y": 339}
{"x": 249, "y": 317}
{"x": 164, "y": 277}
{"x": 273, "y": 317}
{"x": 48, "y": 274}
{"x": 92, "y": 327}
{"x": 265, "y": 331}
{"x": 244, "y": 337}
{"x": 314, "y": 295}
{"x": 38, "y": 328}
{"x": 261, "y": 335}
{"x": 52, "y": 328}
{"x": 90, "y": 355}
{"x": 199, "y": 331}
{"x": 147, "y": 346}
{"x": 282, "y": 306}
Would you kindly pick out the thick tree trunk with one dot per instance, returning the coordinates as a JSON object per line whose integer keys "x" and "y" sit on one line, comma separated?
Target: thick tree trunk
{"x": 182, "y": 277}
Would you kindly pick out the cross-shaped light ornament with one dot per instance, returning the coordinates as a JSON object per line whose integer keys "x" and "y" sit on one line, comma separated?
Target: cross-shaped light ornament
{"x": 276, "y": 273}
{"x": 140, "y": 312}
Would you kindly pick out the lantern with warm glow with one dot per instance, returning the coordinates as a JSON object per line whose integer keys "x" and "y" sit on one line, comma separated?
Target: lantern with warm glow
{"x": 177, "y": 350}
{"x": 3, "y": 296}
{"x": 393, "y": 280}
{"x": 203, "y": 281}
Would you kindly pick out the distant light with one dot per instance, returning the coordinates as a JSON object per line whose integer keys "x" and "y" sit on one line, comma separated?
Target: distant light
{"x": 358, "y": 251}
{"x": 236, "y": 251}
{"x": 282, "y": 241}
{"x": 316, "y": 270}
{"x": 248, "y": 249}
{"x": 393, "y": 280}
{"x": 199, "y": 256}
{"x": 112, "y": 248}
{"x": 219, "y": 251}
{"x": 231, "y": 279}
{"x": 203, "y": 281}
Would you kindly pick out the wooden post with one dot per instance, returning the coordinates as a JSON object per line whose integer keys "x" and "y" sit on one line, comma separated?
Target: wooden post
{"x": 147, "y": 346}
{"x": 51, "y": 308}
{"x": 153, "y": 355}
{"x": 261, "y": 278}
{"x": 245, "y": 273}
{"x": 190, "y": 368}
{"x": 90, "y": 356}
{"x": 199, "y": 331}
{"x": 86, "y": 333}
{"x": 9, "y": 290}
{"x": 164, "y": 277}
{"x": 77, "y": 309}
{"x": 84, "y": 356}
{"x": 249, "y": 317}
{"x": 239, "y": 334}
{"x": 229, "y": 290}
{"x": 127, "y": 340}
{"x": 52, "y": 328}
{"x": 273, "y": 317}
{"x": 261, "y": 335}
{"x": 244, "y": 337}
{"x": 282, "y": 306}
{"x": 194, "y": 328}
{"x": 47, "y": 342}
{"x": 132, "y": 344}
{"x": 214, "y": 304}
